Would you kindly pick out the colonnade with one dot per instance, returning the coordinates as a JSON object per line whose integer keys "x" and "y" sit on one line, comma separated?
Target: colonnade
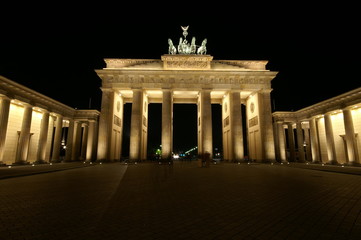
{"x": 328, "y": 137}
{"x": 35, "y": 128}
{"x": 111, "y": 123}
{"x": 139, "y": 124}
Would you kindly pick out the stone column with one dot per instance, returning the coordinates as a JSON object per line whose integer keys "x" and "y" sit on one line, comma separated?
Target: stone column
{"x": 206, "y": 122}
{"x": 84, "y": 141}
{"x": 281, "y": 141}
{"x": 57, "y": 138}
{"x": 70, "y": 141}
{"x": 105, "y": 124}
{"x": 315, "y": 149}
{"x": 76, "y": 141}
{"x": 276, "y": 138}
{"x": 330, "y": 142}
{"x": 350, "y": 137}
{"x": 308, "y": 144}
{"x": 291, "y": 142}
{"x": 236, "y": 126}
{"x": 300, "y": 140}
{"x": 24, "y": 138}
{"x": 4, "y": 118}
{"x": 136, "y": 126}
{"x": 265, "y": 119}
{"x": 43, "y": 136}
{"x": 167, "y": 128}
{"x": 90, "y": 141}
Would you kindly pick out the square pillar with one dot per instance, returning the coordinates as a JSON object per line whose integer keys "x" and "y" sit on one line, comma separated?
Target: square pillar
{"x": 232, "y": 127}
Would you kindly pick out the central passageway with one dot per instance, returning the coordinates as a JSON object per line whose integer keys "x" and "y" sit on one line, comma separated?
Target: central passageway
{"x": 182, "y": 201}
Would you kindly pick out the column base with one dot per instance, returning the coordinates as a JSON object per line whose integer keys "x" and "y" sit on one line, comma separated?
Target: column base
{"x": 21, "y": 163}
{"x": 333, "y": 162}
{"x": 40, "y": 162}
{"x": 353, "y": 164}
{"x": 269, "y": 161}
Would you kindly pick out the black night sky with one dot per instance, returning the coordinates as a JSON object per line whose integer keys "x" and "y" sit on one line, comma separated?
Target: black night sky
{"x": 54, "y": 49}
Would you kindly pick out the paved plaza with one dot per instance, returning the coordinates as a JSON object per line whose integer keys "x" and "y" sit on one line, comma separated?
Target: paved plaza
{"x": 180, "y": 201}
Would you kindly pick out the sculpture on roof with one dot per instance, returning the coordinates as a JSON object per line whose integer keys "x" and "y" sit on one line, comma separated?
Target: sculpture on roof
{"x": 203, "y": 49}
{"x": 184, "y": 47}
{"x": 171, "y": 49}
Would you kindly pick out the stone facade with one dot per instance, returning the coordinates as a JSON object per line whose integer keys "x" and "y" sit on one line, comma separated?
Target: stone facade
{"x": 191, "y": 79}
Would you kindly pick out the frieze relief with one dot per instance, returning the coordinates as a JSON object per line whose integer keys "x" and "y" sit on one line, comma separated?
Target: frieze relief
{"x": 121, "y": 63}
{"x": 255, "y": 65}
{"x": 186, "y": 64}
{"x": 183, "y": 79}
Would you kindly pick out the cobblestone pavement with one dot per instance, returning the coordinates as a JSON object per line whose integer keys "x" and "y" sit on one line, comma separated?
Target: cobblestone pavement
{"x": 10, "y": 171}
{"x": 182, "y": 201}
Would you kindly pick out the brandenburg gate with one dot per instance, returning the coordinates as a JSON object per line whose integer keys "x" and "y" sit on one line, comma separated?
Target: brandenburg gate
{"x": 187, "y": 75}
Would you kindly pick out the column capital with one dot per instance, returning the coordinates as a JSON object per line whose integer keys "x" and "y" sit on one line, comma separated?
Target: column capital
{"x": 348, "y": 108}
{"x": 2, "y": 96}
{"x": 28, "y": 105}
{"x": 234, "y": 91}
{"x": 167, "y": 89}
{"x": 108, "y": 90}
{"x": 91, "y": 121}
{"x": 137, "y": 89}
{"x": 42, "y": 110}
{"x": 54, "y": 114}
{"x": 85, "y": 124}
{"x": 265, "y": 91}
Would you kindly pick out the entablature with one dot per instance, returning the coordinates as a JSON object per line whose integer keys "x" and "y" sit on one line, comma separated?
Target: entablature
{"x": 186, "y": 79}
{"x": 351, "y": 99}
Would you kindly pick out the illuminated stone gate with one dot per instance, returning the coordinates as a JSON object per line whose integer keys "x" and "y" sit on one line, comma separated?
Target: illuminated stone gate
{"x": 192, "y": 77}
